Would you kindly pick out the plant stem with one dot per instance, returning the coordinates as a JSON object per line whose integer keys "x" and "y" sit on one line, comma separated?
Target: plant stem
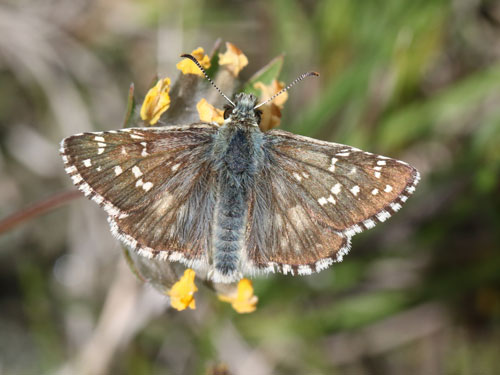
{"x": 37, "y": 209}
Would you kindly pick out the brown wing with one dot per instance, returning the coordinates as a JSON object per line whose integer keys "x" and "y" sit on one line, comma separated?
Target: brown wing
{"x": 283, "y": 233}
{"x": 155, "y": 184}
{"x": 312, "y": 196}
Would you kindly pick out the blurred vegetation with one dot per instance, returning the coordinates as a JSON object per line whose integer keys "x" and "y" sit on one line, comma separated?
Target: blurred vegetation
{"x": 419, "y": 294}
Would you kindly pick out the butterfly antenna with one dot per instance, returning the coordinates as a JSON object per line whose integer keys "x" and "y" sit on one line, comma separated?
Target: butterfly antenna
{"x": 193, "y": 59}
{"x": 298, "y": 79}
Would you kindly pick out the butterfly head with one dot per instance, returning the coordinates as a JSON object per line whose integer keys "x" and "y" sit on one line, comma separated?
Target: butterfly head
{"x": 243, "y": 112}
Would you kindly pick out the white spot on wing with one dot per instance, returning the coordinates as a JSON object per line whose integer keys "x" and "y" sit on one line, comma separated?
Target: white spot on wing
{"x": 383, "y": 216}
{"x": 332, "y": 200}
{"x": 287, "y": 269}
{"x": 99, "y": 139}
{"x": 98, "y": 199}
{"x": 136, "y": 171}
{"x": 395, "y": 206}
{"x": 76, "y": 178}
{"x": 144, "y": 153}
{"x": 381, "y": 162}
{"x": 297, "y": 176}
{"x": 176, "y": 166}
{"x": 323, "y": 264}
{"x": 87, "y": 162}
{"x": 100, "y": 151}
{"x": 304, "y": 270}
{"x": 147, "y": 186}
{"x": 100, "y": 144}
{"x": 388, "y": 188}
{"x": 322, "y": 201}
{"x": 374, "y": 191}
{"x": 343, "y": 154}
{"x": 336, "y": 189}
{"x": 85, "y": 188}
{"x": 353, "y": 230}
{"x": 369, "y": 223}
{"x": 139, "y": 183}
{"x": 118, "y": 170}
{"x": 377, "y": 174}
{"x": 355, "y": 190}
{"x": 136, "y": 136}
{"x": 332, "y": 166}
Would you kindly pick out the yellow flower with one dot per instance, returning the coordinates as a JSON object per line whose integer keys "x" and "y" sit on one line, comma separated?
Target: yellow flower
{"x": 233, "y": 59}
{"x": 243, "y": 300}
{"x": 156, "y": 101}
{"x": 208, "y": 113}
{"x": 269, "y": 90}
{"x": 270, "y": 118}
{"x": 186, "y": 66}
{"x": 271, "y": 112}
{"x": 182, "y": 293}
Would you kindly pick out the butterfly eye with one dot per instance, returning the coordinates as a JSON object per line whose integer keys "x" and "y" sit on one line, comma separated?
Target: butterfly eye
{"x": 227, "y": 112}
{"x": 258, "y": 115}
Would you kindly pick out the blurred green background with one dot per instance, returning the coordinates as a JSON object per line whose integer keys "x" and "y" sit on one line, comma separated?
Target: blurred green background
{"x": 419, "y": 294}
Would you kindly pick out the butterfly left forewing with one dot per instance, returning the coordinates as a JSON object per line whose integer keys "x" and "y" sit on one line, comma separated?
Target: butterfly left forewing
{"x": 155, "y": 184}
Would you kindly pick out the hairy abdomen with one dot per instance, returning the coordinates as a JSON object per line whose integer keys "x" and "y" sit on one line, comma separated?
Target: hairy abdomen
{"x": 237, "y": 160}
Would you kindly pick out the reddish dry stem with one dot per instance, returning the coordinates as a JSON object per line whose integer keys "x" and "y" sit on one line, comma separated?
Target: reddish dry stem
{"x": 37, "y": 209}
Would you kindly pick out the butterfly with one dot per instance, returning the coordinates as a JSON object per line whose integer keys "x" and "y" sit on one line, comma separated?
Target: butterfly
{"x": 232, "y": 200}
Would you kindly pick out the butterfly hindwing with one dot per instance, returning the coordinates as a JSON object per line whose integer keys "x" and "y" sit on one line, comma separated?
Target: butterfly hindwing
{"x": 155, "y": 184}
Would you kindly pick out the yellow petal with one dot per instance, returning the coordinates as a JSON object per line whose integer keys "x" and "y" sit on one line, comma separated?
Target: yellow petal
{"x": 243, "y": 300}
{"x": 186, "y": 66}
{"x": 156, "y": 101}
{"x": 233, "y": 59}
{"x": 208, "y": 113}
{"x": 268, "y": 91}
{"x": 271, "y": 112}
{"x": 182, "y": 292}
{"x": 270, "y": 118}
